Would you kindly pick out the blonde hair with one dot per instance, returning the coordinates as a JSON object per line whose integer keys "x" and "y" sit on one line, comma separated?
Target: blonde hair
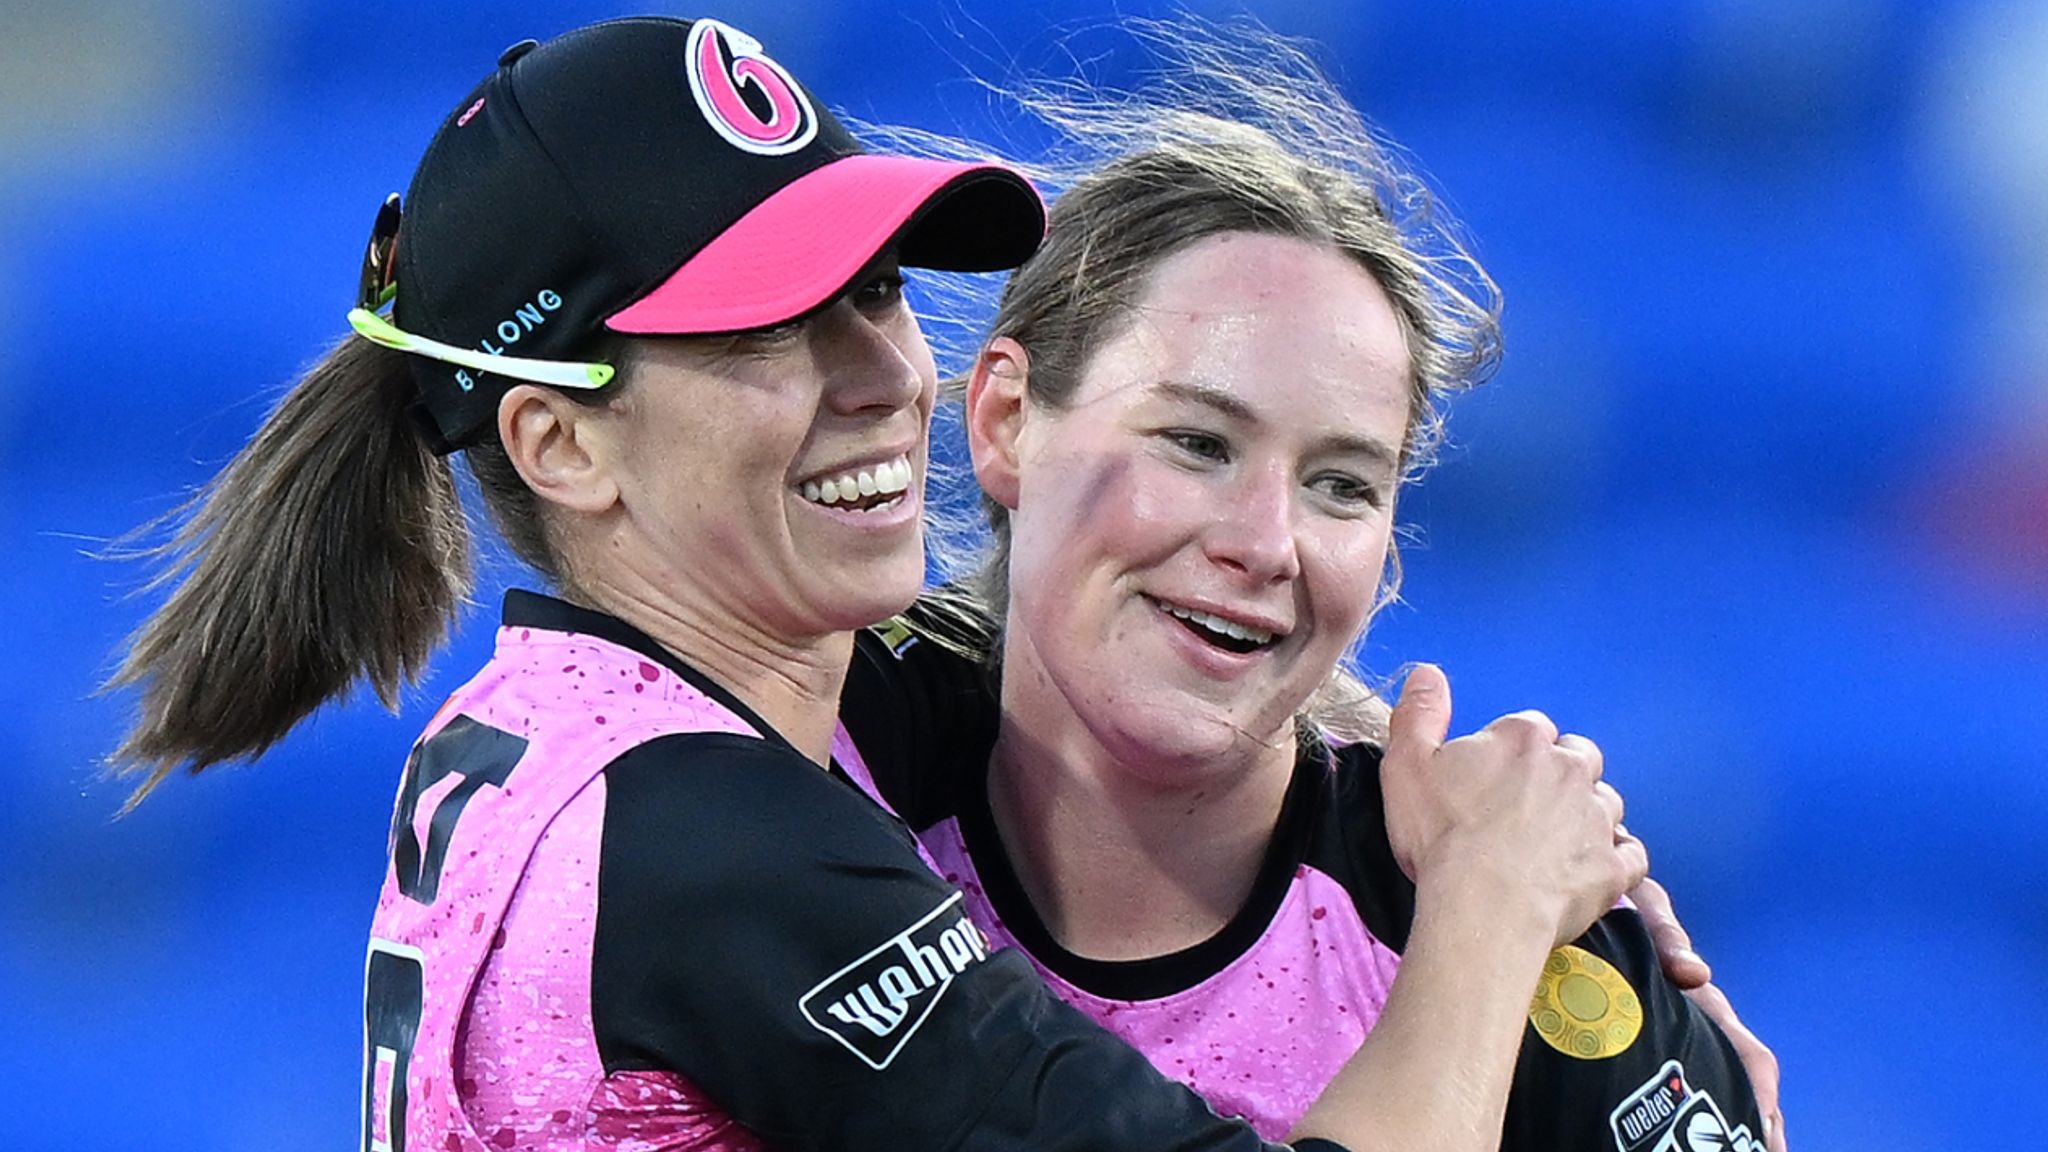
{"x": 1235, "y": 130}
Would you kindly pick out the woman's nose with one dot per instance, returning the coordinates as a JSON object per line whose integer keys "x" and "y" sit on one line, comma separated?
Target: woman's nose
{"x": 1253, "y": 531}
{"x": 870, "y": 363}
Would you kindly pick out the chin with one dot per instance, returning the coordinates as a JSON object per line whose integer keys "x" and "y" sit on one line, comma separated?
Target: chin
{"x": 1175, "y": 741}
{"x": 863, "y": 602}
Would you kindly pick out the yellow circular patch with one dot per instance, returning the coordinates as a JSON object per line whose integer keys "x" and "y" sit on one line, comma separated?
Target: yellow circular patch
{"x": 1583, "y": 1007}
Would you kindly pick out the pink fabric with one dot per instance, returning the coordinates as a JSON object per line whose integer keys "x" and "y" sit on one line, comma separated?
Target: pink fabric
{"x": 1260, "y": 1038}
{"x": 505, "y": 1056}
{"x": 794, "y": 250}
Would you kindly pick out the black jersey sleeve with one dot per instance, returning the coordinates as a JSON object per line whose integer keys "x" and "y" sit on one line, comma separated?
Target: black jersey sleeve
{"x": 769, "y": 934}
{"x": 1616, "y": 1057}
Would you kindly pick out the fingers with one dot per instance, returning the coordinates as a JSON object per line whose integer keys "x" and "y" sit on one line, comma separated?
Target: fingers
{"x": 1674, "y": 944}
{"x": 1528, "y": 727}
{"x": 1610, "y": 801}
{"x": 1586, "y": 750}
{"x": 1757, "y": 1060}
{"x": 1635, "y": 862}
{"x": 1422, "y": 717}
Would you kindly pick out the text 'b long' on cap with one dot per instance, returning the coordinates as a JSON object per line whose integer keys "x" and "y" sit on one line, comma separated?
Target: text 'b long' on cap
{"x": 654, "y": 176}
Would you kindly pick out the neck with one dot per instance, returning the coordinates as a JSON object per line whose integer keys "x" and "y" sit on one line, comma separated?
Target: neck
{"x": 793, "y": 683}
{"x": 1125, "y": 858}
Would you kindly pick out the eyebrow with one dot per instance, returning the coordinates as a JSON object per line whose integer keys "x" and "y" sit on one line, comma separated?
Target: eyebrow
{"x": 1229, "y": 405}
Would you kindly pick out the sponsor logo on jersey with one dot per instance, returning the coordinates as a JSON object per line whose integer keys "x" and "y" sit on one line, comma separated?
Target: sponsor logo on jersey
{"x": 1646, "y": 1113}
{"x": 1666, "y": 1114}
{"x": 875, "y": 1005}
{"x": 895, "y": 634}
{"x": 1583, "y": 1007}
{"x": 726, "y": 67}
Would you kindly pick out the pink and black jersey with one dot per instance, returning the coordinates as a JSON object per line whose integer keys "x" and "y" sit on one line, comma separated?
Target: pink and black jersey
{"x": 1259, "y": 1017}
{"x": 624, "y": 913}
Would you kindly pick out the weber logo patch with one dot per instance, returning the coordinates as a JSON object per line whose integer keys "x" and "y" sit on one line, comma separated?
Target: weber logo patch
{"x": 877, "y": 1003}
{"x": 1646, "y": 1114}
{"x": 1666, "y": 1114}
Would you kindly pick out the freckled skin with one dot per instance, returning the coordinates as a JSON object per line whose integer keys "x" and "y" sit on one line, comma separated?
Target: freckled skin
{"x": 1111, "y": 512}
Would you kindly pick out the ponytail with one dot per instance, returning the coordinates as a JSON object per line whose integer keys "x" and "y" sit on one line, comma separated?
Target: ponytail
{"x": 332, "y": 548}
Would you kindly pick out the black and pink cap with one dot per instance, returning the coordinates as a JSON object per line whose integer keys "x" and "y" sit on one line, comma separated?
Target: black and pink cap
{"x": 657, "y": 176}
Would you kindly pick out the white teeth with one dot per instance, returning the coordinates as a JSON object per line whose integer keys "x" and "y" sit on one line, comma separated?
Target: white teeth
{"x": 1219, "y": 624}
{"x": 894, "y": 476}
{"x": 883, "y": 479}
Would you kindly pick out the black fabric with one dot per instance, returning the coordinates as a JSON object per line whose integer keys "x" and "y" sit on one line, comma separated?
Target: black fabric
{"x": 918, "y": 720}
{"x": 1564, "y": 1102}
{"x": 1350, "y": 844}
{"x": 735, "y": 879}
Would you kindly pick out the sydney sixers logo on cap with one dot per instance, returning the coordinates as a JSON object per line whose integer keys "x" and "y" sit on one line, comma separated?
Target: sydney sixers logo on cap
{"x": 789, "y": 122}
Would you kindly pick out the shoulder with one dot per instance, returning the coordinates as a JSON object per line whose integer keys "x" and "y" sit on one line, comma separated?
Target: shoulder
{"x": 927, "y": 657}
{"x": 715, "y": 800}
{"x": 920, "y": 706}
{"x": 1616, "y": 1054}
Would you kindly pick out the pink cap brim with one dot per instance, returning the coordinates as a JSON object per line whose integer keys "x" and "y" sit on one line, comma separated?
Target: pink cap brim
{"x": 802, "y": 246}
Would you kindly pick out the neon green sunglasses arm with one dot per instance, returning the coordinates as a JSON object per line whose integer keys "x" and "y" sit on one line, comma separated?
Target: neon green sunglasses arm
{"x": 559, "y": 373}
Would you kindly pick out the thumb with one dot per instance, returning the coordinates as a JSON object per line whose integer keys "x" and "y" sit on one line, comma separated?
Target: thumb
{"x": 1422, "y": 718}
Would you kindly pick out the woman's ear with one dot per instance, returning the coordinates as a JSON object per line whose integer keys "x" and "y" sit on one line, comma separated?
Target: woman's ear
{"x": 997, "y": 393}
{"x": 561, "y": 448}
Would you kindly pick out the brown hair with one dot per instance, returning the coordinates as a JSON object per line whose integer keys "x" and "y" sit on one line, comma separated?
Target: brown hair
{"x": 333, "y": 548}
{"x": 1238, "y": 131}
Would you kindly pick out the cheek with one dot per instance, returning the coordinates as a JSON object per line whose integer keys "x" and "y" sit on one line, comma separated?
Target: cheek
{"x": 1067, "y": 504}
{"x": 1343, "y": 568}
{"x": 1082, "y": 510}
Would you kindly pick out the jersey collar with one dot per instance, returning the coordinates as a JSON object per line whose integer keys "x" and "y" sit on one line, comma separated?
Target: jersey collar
{"x": 525, "y": 609}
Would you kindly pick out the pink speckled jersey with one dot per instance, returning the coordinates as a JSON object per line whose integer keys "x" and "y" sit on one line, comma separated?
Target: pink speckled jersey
{"x": 1261, "y": 1035}
{"x": 1259, "y": 1017}
{"x": 623, "y": 913}
{"x": 490, "y": 975}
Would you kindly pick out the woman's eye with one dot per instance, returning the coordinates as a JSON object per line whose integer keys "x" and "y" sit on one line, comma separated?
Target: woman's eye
{"x": 771, "y": 335}
{"x": 757, "y": 341}
{"x": 879, "y": 292}
{"x": 1349, "y": 490}
{"x": 1201, "y": 445}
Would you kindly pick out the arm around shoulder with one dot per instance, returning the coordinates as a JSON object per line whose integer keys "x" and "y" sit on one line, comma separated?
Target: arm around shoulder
{"x": 768, "y": 933}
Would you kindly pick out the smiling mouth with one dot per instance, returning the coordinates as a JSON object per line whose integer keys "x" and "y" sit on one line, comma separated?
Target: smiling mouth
{"x": 862, "y": 490}
{"x": 1228, "y": 635}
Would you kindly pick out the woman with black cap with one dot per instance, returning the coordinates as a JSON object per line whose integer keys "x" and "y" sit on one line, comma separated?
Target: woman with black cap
{"x": 648, "y": 286}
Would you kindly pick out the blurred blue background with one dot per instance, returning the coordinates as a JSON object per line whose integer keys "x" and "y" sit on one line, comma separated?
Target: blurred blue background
{"x": 1759, "y": 500}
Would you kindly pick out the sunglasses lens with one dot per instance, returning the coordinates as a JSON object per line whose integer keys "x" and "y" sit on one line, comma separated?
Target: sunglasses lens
{"x": 380, "y": 270}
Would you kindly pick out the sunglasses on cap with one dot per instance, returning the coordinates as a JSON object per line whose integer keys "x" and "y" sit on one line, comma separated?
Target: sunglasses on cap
{"x": 379, "y": 284}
